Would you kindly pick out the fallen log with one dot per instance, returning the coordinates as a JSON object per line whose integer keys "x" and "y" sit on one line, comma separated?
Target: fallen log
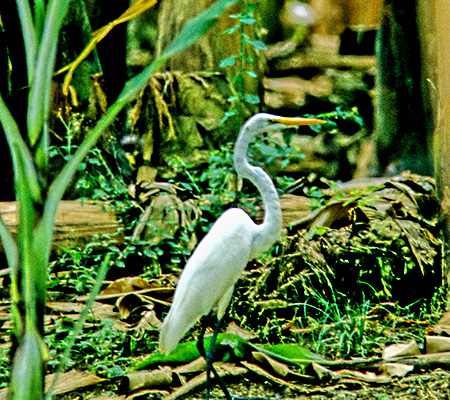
{"x": 77, "y": 223}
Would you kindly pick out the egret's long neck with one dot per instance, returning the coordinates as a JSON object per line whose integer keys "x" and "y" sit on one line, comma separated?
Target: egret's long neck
{"x": 269, "y": 231}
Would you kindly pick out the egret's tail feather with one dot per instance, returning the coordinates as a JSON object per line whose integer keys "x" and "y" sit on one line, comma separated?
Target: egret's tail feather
{"x": 171, "y": 333}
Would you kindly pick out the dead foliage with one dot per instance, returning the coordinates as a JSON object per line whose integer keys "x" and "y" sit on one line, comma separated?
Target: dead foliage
{"x": 383, "y": 232}
{"x": 367, "y": 239}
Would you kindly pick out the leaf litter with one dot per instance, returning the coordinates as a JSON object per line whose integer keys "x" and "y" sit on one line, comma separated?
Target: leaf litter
{"x": 379, "y": 243}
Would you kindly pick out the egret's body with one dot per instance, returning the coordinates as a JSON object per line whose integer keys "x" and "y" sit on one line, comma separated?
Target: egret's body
{"x": 201, "y": 290}
{"x": 208, "y": 279}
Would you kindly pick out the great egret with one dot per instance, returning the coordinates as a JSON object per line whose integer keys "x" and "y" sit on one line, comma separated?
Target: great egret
{"x": 207, "y": 281}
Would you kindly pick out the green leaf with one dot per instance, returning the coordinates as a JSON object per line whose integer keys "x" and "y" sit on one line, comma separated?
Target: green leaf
{"x": 28, "y": 34}
{"x": 257, "y": 44}
{"x": 27, "y": 375}
{"x": 251, "y": 73}
{"x": 252, "y": 99}
{"x": 39, "y": 97}
{"x": 294, "y": 353}
{"x": 39, "y": 15}
{"x": 247, "y": 19}
{"x": 183, "y": 353}
{"x": 18, "y": 148}
{"x": 238, "y": 79}
{"x": 187, "y": 352}
{"x": 230, "y": 30}
{"x": 228, "y": 62}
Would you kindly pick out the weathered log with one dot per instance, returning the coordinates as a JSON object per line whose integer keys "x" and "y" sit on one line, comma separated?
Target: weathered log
{"x": 325, "y": 61}
{"x": 77, "y": 223}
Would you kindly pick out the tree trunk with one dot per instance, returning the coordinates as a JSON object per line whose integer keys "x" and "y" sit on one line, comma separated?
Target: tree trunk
{"x": 404, "y": 120}
{"x": 212, "y": 48}
{"x": 442, "y": 135}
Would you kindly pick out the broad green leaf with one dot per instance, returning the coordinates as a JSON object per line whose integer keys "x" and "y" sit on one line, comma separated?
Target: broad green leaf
{"x": 28, "y": 368}
{"x": 28, "y": 34}
{"x": 294, "y": 353}
{"x": 17, "y": 146}
{"x": 39, "y": 16}
{"x": 183, "y": 353}
{"x": 187, "y": 352}
{"x": 39, "y": 97}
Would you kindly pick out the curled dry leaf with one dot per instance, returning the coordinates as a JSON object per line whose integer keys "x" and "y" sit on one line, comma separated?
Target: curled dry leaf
{"x": 401, "y": 350}
{"x": 148, "y": 321}
{"x": 262, "y": 372}
{"x": 145, "y": 380}
{"x": 132, "y": 304}
{"x": 277, "y": 367}
{"x": 126, "y": 285}
{"x": 437, "y": 344}
{"x": 345, "y": 374}
{"x": 223, "y": 369}
{"x": 396, "y": 369}
{"x": 443, "y": 326}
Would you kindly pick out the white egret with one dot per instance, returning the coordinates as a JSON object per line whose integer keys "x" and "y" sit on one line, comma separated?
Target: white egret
{"x": 207, "y": 281}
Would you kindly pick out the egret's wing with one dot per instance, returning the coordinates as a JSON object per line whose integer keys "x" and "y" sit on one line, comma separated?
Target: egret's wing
{"x": 209, "y": 276}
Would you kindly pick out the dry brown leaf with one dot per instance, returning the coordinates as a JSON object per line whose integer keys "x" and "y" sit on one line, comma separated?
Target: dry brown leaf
{"x": 345, "y": 374}
{"x": 237, "y": 330}
{"x": 101, "y": 312}
{"x": 64, "y": 306}
{"x": 262, "y": 372}
{"x": 437, "y": 344}
{"x": 148, "y": 321}
{"x": 396, "y": 369}
{"x": 148, "y": 394}
{"x": 401, "y": 350}
{"x": 443, "y": 326}
{"x": 108, "y": 397}
{"x": 126, "y": 285}
{"x": 72, "y": 380}
{"x": 276, "y": 366}
{"x": 197, "y": 365}
{"x": 146, "y": 380}
{"x": 222, "y": 369}
{"x": 132, "y": 303}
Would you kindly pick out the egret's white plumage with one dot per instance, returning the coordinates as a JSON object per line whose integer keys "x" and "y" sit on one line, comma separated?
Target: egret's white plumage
{"x": 208, "y": 279}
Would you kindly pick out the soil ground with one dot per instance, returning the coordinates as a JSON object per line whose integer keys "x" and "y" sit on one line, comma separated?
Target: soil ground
{"x": 430, "y": 385}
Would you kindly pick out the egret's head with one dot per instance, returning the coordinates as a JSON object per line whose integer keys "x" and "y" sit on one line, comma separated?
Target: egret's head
{"x": 264, "y": 123}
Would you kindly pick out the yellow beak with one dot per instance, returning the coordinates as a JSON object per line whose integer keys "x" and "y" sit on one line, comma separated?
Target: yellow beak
{"x": 290, "y": 121}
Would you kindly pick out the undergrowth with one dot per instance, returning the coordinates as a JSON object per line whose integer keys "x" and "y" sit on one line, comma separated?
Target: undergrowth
{"x": 333, "y": 326}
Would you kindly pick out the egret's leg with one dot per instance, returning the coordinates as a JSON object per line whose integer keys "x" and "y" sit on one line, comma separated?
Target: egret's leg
{"x": 209, "y": 357}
